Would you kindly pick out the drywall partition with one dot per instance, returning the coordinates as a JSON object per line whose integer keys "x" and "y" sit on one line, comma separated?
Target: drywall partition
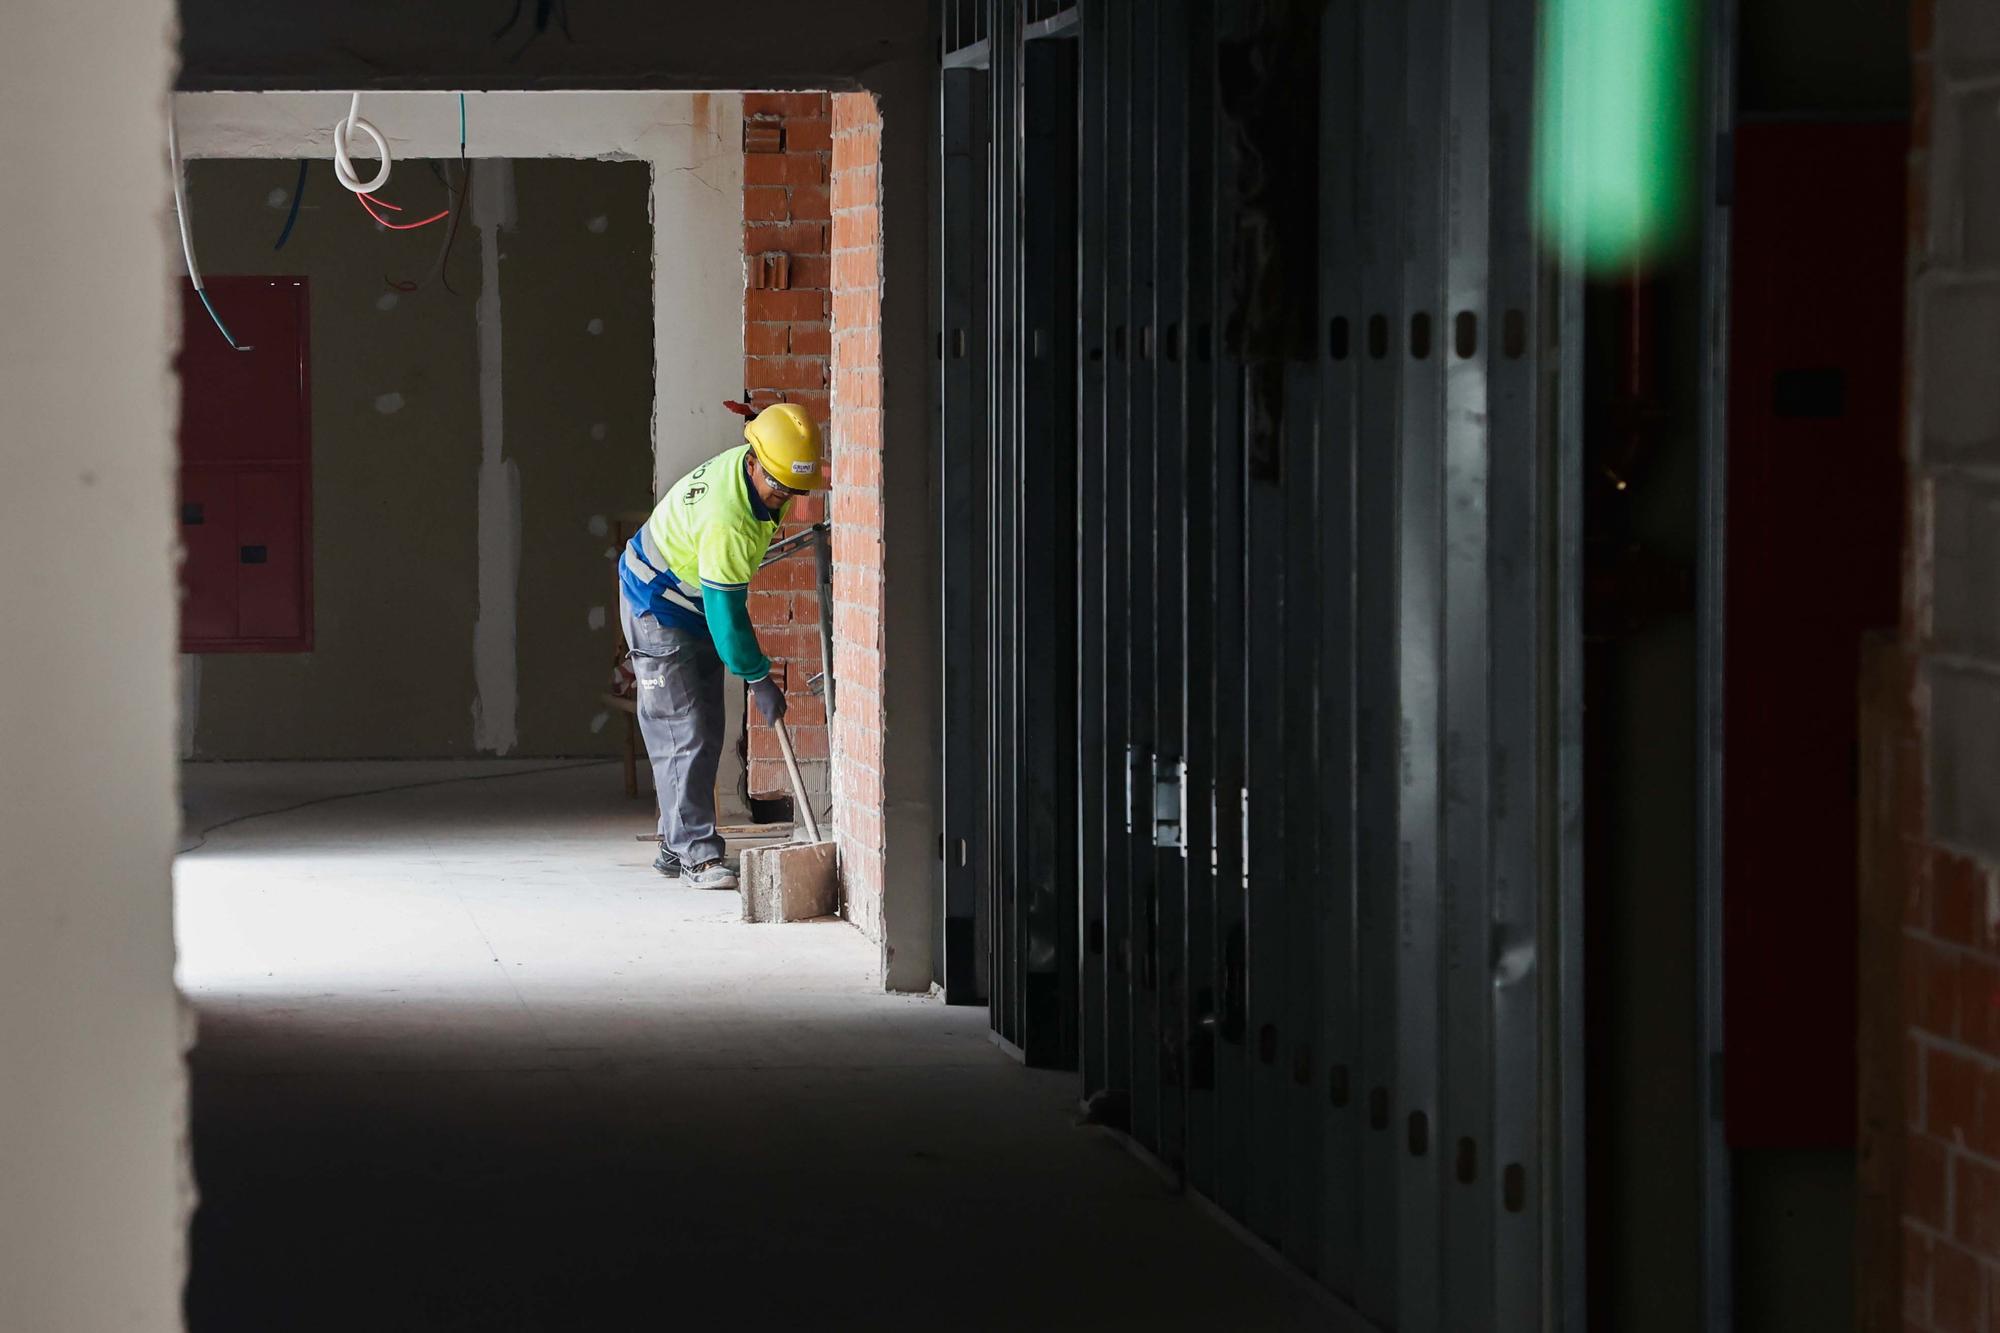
{"x": 884, "y": 46}
{"x": 93, "y": 1194}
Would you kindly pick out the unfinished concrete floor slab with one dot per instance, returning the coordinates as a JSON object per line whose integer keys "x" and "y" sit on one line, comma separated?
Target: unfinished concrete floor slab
{"x": 465, "y": 1062}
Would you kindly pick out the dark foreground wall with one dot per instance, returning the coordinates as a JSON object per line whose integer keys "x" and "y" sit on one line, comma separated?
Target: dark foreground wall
{"x": 1259, "y": 788}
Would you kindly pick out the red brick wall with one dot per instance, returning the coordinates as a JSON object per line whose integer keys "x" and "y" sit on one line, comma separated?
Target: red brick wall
{"x": 787, "y": 152}
{"x": 857, "y": 505}
{"x": 1949, "y": 1188}
{"x": 812, "y": 336}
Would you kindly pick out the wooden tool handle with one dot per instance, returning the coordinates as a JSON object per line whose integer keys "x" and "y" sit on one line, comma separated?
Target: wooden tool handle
{"x": 798, "y": 784}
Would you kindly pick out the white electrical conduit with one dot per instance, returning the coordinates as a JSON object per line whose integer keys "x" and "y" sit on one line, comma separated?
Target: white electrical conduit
{"x": 343, "y": 165}
{"x": 187, "y": 237}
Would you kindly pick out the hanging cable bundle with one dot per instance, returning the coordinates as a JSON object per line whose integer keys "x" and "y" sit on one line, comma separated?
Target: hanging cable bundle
{"x": 461, "y": 199}
{"x": 364, "y": 191}
{"x": 371, "y": 203}
{"x": 343, "y": 165}
{"x": 406, "y": 286}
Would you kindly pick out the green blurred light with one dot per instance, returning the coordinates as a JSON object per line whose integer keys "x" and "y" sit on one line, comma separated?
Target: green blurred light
{"x": 1612, "y": 144}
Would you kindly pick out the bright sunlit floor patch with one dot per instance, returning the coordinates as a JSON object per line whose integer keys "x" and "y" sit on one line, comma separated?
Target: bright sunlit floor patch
{"x": 502, "y": 911}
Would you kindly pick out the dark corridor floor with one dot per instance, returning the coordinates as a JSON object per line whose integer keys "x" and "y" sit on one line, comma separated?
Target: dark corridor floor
{"x": 466, "y": 1065}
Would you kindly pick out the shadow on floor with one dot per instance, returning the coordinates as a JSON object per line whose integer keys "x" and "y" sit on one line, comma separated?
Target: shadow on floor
{"x": 465, "y": 1064}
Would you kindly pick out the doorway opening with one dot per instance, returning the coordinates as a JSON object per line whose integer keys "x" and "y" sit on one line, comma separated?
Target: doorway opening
{"x": 420, "y": 426}
{"x": 442, "y": 445}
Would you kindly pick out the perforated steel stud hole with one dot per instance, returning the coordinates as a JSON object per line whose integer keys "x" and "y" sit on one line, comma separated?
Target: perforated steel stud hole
{"x": 1337, "y": 338}
{"x": 1465, "y": 335}
{"x": 1378, "y": 336}
{"x": 1378, "y": 1108}
{"x": 1468, "y": 1161}
{"x": 1420, "y": 1133}
{"x": 1514, "y": 334}
{"x": 1420, "y": 336}
{"x": 1514, "y": 1188}
{"x": 1336, "y": 1085}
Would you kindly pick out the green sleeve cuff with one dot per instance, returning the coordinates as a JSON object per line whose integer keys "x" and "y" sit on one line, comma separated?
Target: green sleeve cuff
{"x": 728, "y": 612}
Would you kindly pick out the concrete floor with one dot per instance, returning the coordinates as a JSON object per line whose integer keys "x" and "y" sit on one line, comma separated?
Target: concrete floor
{"x": 465, "y": 1062}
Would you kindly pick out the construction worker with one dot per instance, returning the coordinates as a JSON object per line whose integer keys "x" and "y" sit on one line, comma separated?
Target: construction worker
{"x": 684, "y": 580}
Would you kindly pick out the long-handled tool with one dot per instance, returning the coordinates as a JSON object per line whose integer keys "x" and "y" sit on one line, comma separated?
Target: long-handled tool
{"x": 798, "y": 784}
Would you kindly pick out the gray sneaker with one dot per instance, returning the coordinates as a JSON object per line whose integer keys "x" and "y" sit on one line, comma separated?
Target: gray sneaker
{"x": 667, "y": 863}
{"x": 712, "y": 875}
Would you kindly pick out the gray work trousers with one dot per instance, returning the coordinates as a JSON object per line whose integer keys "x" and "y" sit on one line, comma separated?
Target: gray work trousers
{"x": 681, "y": 718}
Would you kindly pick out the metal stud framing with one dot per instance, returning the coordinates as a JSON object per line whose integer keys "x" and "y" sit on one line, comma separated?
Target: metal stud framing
{"x": 1260, "y": 766}
{"x": 1336, "y": 1074}
{"x": 963, "y": 370}
{"x": 1377, "y": 148}
{"x": 1195, "y": 692}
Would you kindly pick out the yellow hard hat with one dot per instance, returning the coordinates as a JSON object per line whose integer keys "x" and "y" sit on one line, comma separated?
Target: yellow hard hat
{"x": 787, "y": 443}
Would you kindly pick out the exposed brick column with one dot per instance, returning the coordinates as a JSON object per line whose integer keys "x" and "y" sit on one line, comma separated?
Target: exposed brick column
{"x": 857, "y": 505}
{"x": 786, "y": 343}
{"x": 1945, "y": 814}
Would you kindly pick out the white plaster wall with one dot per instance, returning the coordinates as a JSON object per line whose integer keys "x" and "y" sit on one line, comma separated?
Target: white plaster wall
{"x": 694, "y": 142}
{"x": 93, "y": 1191}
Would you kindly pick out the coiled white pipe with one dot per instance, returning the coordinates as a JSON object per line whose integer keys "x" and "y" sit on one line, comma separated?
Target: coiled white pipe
{"x": 343, "y": 165}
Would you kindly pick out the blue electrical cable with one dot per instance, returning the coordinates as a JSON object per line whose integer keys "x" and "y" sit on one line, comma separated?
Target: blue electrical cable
{"x": 298, "y": 193}
{"x": 209, "y": 306}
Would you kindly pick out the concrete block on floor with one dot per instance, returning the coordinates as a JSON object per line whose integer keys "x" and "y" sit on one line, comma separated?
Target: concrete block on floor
{"x": 794, "y": 882}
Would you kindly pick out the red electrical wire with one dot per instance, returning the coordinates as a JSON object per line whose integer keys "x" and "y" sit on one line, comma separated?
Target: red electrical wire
{"x": 458, "y": 197}
{"x": 368, "y": 201}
